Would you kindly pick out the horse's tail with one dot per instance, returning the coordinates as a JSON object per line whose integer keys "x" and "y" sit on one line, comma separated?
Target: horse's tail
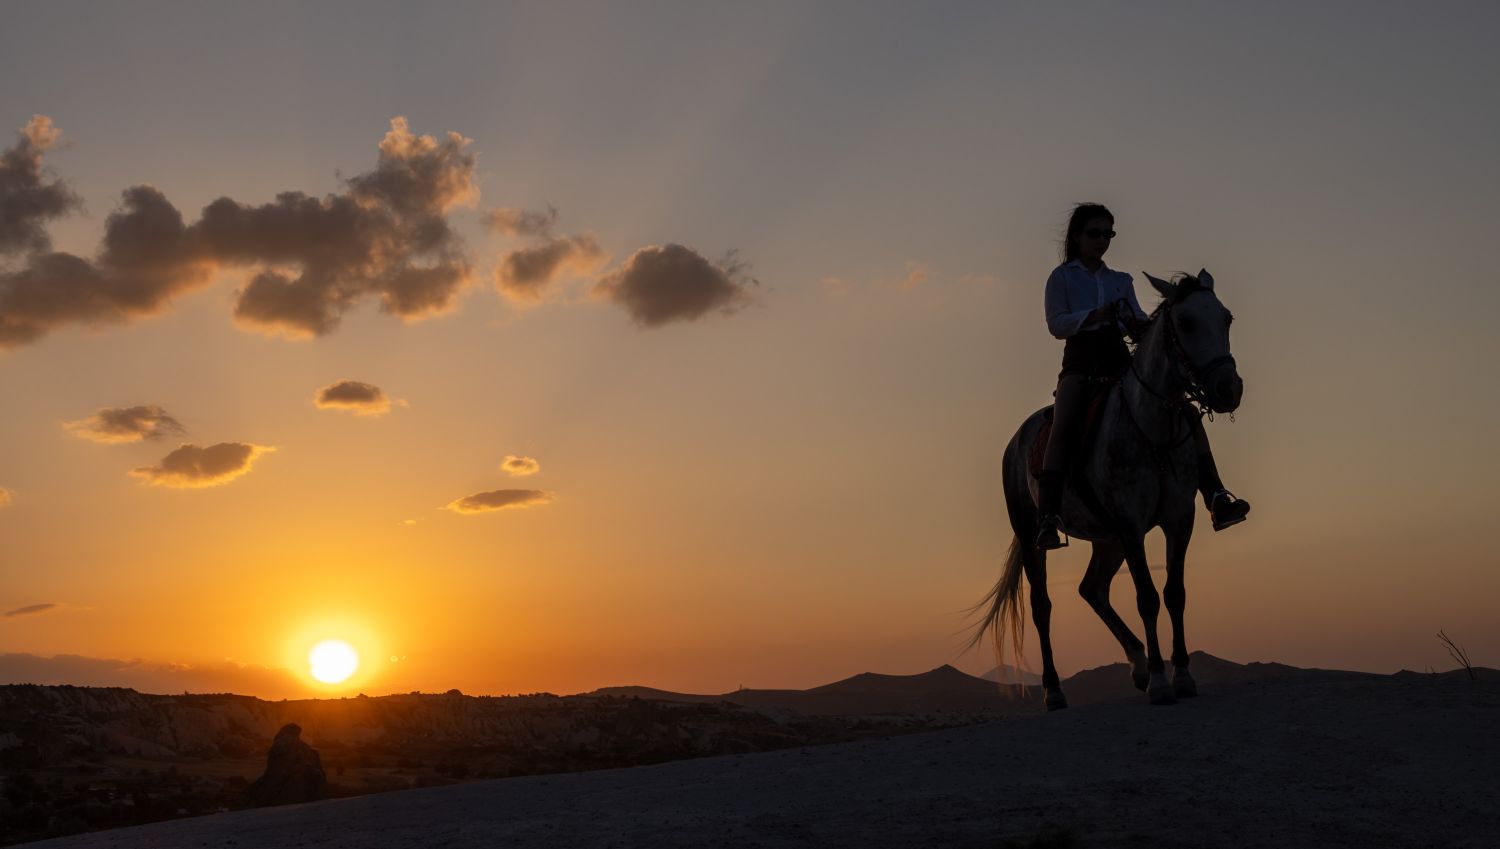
{"x": 1004, "y": 610}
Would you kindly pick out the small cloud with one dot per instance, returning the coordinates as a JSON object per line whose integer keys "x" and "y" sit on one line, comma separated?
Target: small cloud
{"x": 33, "y": 609}
{"x": 406, "y": 523}
{"x": 520, "y": 466}
{"x": 361, "y": 398}
{"x": 836, "y": 285}
{"x": 522, "y": 222}
{"x": 524, "y": 274}
{"x": 500, "y": 499}
{"x": 6, "y": 496}
{"x": 661, "y": 284}
{"x": 191, "y": 467}
{"x": 917, "y": 274}
{"x": 117, "y": 425}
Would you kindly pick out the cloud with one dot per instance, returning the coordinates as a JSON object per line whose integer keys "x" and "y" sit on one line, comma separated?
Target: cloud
{"x": 147, "y": 257}
{"x": 521, "y": 222}
{"x": 917, "y": 274}
{"x": 32, "y": 610}
{"x": 153, "y": 677}
{"x": 6, "y": 496}
{"x": 28, "y": 196}
{"x": 361, "y": 398}
{"x": 191, "y": 467}
{"x": 657, "y": 285}
{"x": 520, "y": 466}
{"x": 500, "y": 499}
{"x": 385, "y": 236}
{"x": 115, "y": 425}
{"x": 524, "y": 274}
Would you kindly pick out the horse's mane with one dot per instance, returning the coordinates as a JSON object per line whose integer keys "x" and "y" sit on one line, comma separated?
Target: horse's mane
{"x": 1187, "y": 284}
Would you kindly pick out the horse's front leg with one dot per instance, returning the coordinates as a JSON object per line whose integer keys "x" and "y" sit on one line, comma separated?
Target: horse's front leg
{"x": 1149, "y": 605}
{"x": 1175, "y": 593}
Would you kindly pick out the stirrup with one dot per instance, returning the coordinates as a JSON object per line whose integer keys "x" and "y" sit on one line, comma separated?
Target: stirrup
{"x": 1234, "y": 510}
{"x": 1050, "y": 536}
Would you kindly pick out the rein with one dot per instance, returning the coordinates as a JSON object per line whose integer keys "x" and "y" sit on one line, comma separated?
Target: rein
{"x": 1180, "y": 402}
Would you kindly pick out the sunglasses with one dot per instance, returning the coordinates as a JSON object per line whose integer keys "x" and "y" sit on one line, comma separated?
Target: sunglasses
{"x": 1099, "y": 234}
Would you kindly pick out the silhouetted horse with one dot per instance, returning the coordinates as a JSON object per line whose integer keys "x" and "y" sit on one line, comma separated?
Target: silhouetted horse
{"x": 1138, "y": 473}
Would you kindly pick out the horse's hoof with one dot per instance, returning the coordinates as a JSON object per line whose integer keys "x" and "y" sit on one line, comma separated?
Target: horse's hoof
{"x": 1056, "y": 700}
{"x": 1159, "y": 691}
{"x": 1141, "y": 680}
{"x": 1183, "y": 685}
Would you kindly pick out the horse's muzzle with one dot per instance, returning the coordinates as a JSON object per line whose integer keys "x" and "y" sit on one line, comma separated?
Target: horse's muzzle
{"x": 1225, "y": 391}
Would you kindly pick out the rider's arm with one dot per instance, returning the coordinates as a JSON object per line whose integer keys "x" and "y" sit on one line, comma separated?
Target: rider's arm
{"x": 1062, "y": 321}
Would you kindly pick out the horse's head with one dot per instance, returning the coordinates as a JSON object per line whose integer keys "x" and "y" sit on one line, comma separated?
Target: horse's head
{"x": 1197, "y": 331}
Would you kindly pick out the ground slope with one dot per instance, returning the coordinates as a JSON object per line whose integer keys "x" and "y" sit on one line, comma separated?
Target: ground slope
{"x": 1332, "y": 761}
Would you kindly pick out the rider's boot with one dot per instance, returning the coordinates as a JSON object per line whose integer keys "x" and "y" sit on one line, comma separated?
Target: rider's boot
{"x": 1049, "y": 491}
{"x": 1223, "y": 507}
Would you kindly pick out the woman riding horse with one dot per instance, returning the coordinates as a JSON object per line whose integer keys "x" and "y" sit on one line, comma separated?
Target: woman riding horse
{"x": 1091, "y": 306}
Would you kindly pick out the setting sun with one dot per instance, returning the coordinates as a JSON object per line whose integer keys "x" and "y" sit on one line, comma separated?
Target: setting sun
{"x": 332, "y": 661}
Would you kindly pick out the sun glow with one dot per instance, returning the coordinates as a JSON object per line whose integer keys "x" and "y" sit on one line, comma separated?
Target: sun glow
{"x": 332, "y": 661}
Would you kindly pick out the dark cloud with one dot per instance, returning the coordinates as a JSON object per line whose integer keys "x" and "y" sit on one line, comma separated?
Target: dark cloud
{"x": 522, "y": 222}
{"x": 28, "y": 196}
{"x": 500, "y": 499}
{"x": 191, "y": 467}
{"x": 362, "y": 398}
{"x": 520, "y": 466}
{"x": 385, "y": 237}
{"x": 150, "y": 677}
{"x": 113, "y": 425}
{"x": 657, "y": 285}
{"x": 148, "y": 256}
{"x": 525, "y": 274}
{"x": 32, "y": 609}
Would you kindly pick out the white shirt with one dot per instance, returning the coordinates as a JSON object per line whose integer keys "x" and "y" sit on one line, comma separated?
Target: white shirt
{"x": 1073, "y": 292}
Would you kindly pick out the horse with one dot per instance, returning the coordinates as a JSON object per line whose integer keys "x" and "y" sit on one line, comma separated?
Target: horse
{"x": 1139, "y": 474}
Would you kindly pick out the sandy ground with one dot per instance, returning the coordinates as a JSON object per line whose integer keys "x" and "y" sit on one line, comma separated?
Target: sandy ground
{"x": 1356, "y": 762}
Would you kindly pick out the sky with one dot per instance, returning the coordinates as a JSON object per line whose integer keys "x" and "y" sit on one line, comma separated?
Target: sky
{"x": 549, "y": 347}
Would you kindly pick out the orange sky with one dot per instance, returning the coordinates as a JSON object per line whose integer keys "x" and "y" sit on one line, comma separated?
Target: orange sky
{"x": 772, "y": 468}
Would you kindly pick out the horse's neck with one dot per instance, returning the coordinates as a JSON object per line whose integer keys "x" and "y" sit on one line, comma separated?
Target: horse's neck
{"x": 1152, "y": 378}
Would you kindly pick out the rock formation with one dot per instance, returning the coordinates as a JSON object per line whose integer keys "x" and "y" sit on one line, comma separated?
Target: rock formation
{"x": 294, "y": 772}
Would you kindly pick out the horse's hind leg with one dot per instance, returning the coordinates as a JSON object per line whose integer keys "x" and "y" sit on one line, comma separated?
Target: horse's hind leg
{"x": 1103, "y": 566}
{"x": 1149, "y": 605}
{"x": 1175, "y": 595}
{"x": 1035, "y": 563}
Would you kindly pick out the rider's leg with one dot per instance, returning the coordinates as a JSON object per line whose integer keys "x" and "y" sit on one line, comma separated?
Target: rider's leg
{"x": 1225, "y": 509}
{"x": 1067, "y": 415}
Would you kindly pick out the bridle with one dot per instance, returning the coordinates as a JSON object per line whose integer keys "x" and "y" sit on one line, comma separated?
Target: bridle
{"x": 1191, "y": 378}
{"x": 1188, "y": 398}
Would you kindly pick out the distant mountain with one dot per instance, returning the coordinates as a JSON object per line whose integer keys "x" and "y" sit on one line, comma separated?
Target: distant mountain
{"x": 941, "y": 690}
{"x": 946, "y": 689}
{"x": 1107, "y": 683}
{"x": 1010, "y": 675}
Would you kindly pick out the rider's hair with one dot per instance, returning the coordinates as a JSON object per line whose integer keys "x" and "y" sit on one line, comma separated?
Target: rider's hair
{"x": 1083, "y": 213}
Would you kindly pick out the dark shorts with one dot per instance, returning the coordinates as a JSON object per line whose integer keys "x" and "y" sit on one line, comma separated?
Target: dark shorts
{"x": 1099, "y": 354}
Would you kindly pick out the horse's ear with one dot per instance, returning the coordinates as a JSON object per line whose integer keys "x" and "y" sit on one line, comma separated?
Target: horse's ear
{"x": 1165, "y": 287}
{"x": 1205, "y": 279}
